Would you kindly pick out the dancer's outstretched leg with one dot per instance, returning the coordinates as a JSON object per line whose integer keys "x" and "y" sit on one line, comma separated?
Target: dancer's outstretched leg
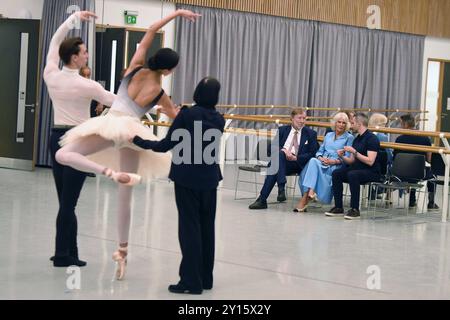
{"x": 74, "y": 155}
{"x": 129, "y": 162}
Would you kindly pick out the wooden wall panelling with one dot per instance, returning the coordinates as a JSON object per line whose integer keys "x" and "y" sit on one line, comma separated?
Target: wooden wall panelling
{"x": 423, "y": 17}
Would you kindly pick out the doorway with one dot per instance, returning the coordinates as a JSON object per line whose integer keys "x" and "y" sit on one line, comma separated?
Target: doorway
{"x": 18, "y": 96}
{"x": 438, "y": 92}
{"x": 115, "y": 46}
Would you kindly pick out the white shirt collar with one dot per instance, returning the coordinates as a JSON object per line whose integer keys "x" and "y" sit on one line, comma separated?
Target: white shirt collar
{"x": 293, "y": 130}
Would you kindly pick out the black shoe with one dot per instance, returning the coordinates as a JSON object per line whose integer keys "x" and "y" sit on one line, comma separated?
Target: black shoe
{"x": 281, "y": 196}
{"x": 432, "y": 207}
{"x": 335, "y": 212}
{"x": 179, "y": 288}
{"x": 258, "y": 205}
{"x": 83, "y": 263}
{"x": 207, "y": 287}
{"x": 352, "y": 214}
{"x": 67, "y": 261}
{"x": 72, "y": 252}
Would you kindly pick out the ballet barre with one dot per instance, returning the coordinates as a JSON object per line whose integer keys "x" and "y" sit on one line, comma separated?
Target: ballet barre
{"x": 343, "y": 109}
{"x": 288, "y": 116}
{"x": 442, "y": 135}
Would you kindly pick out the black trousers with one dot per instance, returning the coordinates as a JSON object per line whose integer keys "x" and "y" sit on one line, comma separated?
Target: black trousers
{"x": 68, "y": 183}
{"x": 196, "y": 214}
{"x": 285, "y": 168}
{"x": 430, "y": 186}
{"x": 355, "y": 178}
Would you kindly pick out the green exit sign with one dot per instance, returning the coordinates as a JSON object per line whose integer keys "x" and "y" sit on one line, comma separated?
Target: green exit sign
{"x": 130, "y": 19}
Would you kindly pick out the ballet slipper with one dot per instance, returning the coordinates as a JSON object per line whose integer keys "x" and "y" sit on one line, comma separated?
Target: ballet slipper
{"x": 120, "y": 257}
{"x": 125, "y": 178}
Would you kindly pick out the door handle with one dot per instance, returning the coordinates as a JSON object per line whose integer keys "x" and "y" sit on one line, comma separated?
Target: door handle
{"x": 31, "y": 106}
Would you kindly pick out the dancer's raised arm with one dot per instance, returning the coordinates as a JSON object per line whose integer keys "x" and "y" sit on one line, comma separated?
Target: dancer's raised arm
{"x": 59, "y": 36}
{"x": 141, "y": 53}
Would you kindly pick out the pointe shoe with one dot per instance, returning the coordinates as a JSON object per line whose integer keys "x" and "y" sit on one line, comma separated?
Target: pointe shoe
{"x": 120, "y": 256}
{"x": 125, "y": 178}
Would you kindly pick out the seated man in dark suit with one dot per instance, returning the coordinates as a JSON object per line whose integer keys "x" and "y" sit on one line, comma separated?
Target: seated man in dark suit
{"x": 296, "y": 145}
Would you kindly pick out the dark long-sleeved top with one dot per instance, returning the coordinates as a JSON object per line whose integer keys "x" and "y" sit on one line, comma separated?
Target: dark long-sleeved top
{"x": 190, "y": 169}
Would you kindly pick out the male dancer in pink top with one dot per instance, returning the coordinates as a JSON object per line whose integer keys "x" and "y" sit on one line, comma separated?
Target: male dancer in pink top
{"x": 71, "y": 95}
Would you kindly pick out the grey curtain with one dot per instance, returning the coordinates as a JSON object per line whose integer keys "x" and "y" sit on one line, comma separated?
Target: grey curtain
{"x": 55, "y": 12}
{"x": 271, "y": 60}
{"x": 258, "y": 59}
{"x": 362, "y": 68}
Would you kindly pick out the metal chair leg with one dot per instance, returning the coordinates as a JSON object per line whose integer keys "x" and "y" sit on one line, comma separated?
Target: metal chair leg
{"x": 407, "y": 203}
{"x": 295, "y": 186}
{"x": 368, "y": 203}
{"x": 256, "y": 185}
{"x": 376, "y": 199}
{"x": 237, "y": 181}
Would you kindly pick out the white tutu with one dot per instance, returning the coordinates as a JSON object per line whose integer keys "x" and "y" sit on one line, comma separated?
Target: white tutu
{"x": 117, "y": 127}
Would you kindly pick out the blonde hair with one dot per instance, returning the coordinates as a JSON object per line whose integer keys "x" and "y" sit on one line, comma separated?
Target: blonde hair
{"x": 378, "y": 120}
{"x": 296, "y": 111}
{"x": 339, "y": 116}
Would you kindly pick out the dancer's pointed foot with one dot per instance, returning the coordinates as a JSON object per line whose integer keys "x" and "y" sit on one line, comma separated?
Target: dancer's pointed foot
{"x": 120, "y": 256}
{"x": 125, "y": 178}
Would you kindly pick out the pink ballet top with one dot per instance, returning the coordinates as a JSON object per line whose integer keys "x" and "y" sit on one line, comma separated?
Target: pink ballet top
{"x": 71, "y": 94}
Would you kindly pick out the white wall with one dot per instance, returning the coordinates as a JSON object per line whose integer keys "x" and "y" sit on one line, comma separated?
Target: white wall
{"x": 17, "y": 9}
{"x": 435, "y": 48}
{"x": 149, "y": 12}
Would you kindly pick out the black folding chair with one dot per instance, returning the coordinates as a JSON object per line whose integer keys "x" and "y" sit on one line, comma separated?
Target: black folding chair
{"x": 263, "y": 153}
{"x": 407, "y": 173}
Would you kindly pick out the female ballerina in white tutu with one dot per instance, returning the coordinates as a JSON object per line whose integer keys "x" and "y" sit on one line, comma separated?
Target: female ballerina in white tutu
{"x": 106, "y": 139}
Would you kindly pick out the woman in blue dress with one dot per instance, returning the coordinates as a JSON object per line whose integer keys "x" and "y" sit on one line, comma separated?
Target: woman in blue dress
{"x": 315, "y": 182}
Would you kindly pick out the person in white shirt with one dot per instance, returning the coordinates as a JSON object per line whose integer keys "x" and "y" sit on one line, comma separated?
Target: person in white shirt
{"x": 71, "y": 95}
{"x": 101, "y": 145}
